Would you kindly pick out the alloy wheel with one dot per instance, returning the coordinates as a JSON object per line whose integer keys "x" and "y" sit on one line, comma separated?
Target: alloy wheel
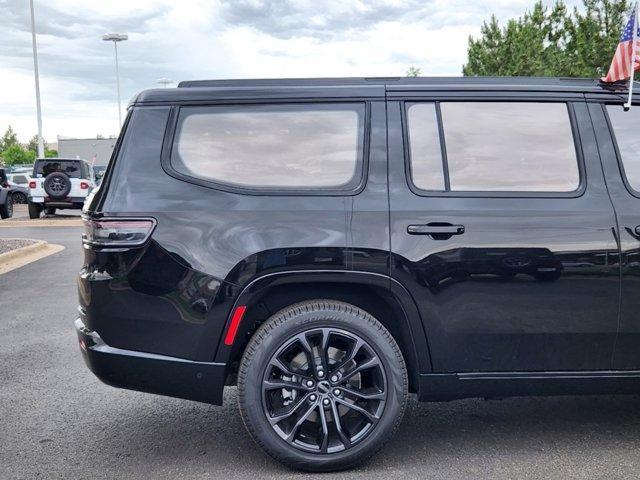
{"x": 57, "y": 185}
{"x": 19, "y": 198}
{"x": 324, "y": 390}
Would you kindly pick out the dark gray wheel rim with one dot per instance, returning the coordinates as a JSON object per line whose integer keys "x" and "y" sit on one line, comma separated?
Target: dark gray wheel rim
{"x": 57, "y": 185}
{"x": 324, "y": 390}
{"x": 19, "y": 198}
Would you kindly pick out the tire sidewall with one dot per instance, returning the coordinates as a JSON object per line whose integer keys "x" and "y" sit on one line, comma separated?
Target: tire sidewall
{"x": 6, "y": 210}
{"x": 34, "y": 210}
{"x": 251, "y": 396}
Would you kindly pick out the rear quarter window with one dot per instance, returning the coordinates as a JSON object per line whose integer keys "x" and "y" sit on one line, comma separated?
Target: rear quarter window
{"x": 19, "y": 179}
{"x": 299, "y": 147}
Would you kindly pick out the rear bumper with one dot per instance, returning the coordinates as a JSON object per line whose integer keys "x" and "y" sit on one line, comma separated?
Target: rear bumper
{"x": 147, "y": 372}
{"x": 67, "y": 202}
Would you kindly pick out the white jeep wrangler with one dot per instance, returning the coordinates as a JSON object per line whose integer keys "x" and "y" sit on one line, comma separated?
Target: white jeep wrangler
{"x": 59, "y": 183}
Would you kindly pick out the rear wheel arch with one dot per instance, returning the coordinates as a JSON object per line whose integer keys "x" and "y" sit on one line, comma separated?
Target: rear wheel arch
{"x": 379, "y": 295}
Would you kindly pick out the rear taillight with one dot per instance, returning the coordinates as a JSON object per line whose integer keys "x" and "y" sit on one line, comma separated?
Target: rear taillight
{"x": 32, "y": 184}
{"x": 84, "y": 185}
{"x": 117, "y": 232}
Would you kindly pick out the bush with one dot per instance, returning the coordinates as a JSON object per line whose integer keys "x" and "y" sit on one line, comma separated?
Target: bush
{"x": 16, "y": 154}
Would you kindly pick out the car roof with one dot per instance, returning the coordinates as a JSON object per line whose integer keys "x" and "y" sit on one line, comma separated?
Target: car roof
{"x": 364, "y": 87}
{"x": 54, "y": 159}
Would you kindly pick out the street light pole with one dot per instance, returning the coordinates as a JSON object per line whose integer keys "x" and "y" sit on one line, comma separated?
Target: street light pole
{"x": 115, "y": 38}
{"x": 37, "y": 76}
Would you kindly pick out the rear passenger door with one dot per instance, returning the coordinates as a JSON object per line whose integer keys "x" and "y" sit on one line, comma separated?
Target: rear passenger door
{"x": 509, "y": 252}
{"x": 619, "y": 141}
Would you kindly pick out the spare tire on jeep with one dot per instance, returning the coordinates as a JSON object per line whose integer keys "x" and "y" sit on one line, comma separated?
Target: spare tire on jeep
{"x": 57, "y": 185}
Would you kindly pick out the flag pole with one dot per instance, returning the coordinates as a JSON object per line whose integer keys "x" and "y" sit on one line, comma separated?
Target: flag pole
{"x": 634, "y": 53}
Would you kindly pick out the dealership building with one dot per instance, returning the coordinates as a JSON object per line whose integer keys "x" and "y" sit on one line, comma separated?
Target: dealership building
{"x": 94, "y": 150}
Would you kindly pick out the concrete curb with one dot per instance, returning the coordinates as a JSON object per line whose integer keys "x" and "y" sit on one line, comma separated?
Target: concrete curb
{"x": 40, "y": 223}
{"x": 22, "y": 256}
{"x": 19, "y": 252}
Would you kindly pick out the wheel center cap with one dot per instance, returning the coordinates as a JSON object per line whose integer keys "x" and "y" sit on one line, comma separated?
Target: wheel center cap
{"x": 324, "y": 387}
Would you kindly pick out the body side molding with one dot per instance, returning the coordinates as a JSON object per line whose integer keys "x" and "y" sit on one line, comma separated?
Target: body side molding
{"x": 452, "y": 386}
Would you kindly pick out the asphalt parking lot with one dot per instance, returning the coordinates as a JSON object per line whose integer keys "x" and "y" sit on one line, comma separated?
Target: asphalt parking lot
{"x": 59, "y": 421}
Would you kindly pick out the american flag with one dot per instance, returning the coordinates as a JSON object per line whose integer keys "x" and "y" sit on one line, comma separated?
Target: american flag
{"x": 620, "y": 66}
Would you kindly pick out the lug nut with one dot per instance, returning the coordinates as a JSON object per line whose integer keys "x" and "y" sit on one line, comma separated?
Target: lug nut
{"x": 336, "y": 392}
{"x": 334, "y": 378}
{"x": 312, "y": 398}
{"x": 321, "y": 373}
{"x": 326, "y": 402}
{"x": 309, "y": 383}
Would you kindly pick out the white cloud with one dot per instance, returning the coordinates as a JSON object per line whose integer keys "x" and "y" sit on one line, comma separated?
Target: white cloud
{"x": 195, "y": 39}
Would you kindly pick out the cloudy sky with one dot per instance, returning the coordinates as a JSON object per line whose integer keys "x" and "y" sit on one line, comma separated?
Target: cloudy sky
{"x": 196, "y": 39}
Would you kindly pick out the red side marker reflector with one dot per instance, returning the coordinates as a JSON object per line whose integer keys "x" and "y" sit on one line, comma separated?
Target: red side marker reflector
{"x": 235, "y": 323}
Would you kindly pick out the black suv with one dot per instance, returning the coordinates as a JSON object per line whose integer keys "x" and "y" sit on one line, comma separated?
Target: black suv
{"x": 6, "y": 196}
{"x": 332, "y": 245}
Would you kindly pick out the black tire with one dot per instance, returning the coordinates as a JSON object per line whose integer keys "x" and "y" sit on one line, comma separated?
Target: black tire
{"x": 6, "y": 209}
{"x": 19, "y": 198}
{"x": 57, "y": 185}
{"x": 342, "y": 321}
{"x": 50, "y": 210}
{"x": 34, "y": 210}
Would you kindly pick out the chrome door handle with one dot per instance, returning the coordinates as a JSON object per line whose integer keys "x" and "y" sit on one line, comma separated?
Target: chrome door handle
{"x": 435, "y": 229}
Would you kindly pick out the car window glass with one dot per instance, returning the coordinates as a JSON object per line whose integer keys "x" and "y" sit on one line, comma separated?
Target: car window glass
{"x": 493, "y": 147}
{"x": 518, "y": 147}
{"x": 69, "y": 167}
{"x": 424, "y": 144}
{"x": 625, "y": 128}
{"x": 275, "y": 146}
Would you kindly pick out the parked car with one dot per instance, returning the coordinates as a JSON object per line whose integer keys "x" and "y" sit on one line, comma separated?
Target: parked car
{"x": 59, "y": 183}
{"x": 20, "y": 169}
{"x": 332, "y": 245}
{"x": 19, "y": 183}
{"x": 6, "y": 197}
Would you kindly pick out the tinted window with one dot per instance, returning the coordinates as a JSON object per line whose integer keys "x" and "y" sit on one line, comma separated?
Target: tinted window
{"x": 71, "y": 168}
{"x": 499, "y": 147}
{"x": 625, "y": 127}
{"x": 19, "y": 179}
{"x": 424, "y": 145}
{"x": 293, "y": 146}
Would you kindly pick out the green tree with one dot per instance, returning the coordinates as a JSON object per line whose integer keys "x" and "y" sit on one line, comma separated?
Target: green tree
{"x": 16, "y": 155}
{"x": 9, "y": 139}
{"x": 33, "y": 144}
{"x": 50, "y": 153}
{"x": 550, "y": 41}
{"x": 413, "y": 72}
